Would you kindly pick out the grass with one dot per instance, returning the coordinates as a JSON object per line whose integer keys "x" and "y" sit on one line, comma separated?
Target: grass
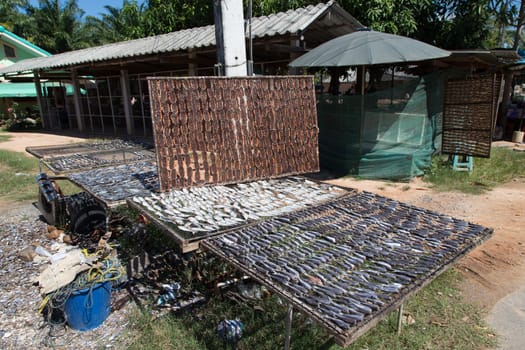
{"x": 164, "y": 333}
{"x": 67, "y": 187}
{"x": 442, "y": 321}
{"x": 503, "y": 165}
{"x": 4, "y": 137}
{"x": 17, "y": 176}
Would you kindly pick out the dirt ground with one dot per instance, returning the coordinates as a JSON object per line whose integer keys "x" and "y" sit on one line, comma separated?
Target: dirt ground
{"x": 20, "y": 140}
{"x": 492, "y": 271}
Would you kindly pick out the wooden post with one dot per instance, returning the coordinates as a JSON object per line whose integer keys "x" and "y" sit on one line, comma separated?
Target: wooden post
{"x": 361, "y": 73}
{"x": 192, "y": 66}
{"x": 76, "y": 100}
{"x": 288, "y": 327}
{"x": 295, "y": 42}
{"x": 400, "y": 319}
{"x": 507, "y": 92}
{"x": 38, "y": 87}
{"x": 126, "y": 100}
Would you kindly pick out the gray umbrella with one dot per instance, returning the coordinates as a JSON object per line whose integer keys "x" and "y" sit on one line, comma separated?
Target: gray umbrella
{"x": 368, "y": 47}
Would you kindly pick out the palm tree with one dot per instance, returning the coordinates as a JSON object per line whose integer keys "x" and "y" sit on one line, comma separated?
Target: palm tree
{"x": 10, "y": 13}
{"x": 57, "y": 28}
{"x": 118, "y": 24}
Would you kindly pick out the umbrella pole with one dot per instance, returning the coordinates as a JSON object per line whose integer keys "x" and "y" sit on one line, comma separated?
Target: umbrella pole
{"x": 363, "y": 80}
{"x": 362, "y": 114}
{"x": 392, "y": 88}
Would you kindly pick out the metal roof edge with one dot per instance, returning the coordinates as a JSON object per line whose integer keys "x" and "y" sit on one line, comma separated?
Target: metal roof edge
{"x": 71, "y": 58}
{"x": 322, "y": 10}
{"x": 331, "y": 5}
{"x": 500, "y": 57}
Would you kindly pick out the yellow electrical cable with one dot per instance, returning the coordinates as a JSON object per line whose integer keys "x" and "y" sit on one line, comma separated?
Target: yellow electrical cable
{"x": 43, "y": 303}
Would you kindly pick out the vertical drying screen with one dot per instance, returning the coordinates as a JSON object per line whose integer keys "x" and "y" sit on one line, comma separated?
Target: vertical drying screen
{"x": 469, "y": 112}
{"x": 217, "y": 130}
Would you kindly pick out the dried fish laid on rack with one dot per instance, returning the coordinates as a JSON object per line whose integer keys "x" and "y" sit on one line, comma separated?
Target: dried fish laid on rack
{"x": 199, "y": 211}
{"x": 351, "y": 260}
{"x": 76, "y": 162}
{"x": 114, "y": 184}
{"x": 86, "y": 147}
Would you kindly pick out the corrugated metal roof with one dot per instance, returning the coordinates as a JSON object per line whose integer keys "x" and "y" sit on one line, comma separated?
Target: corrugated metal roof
{"x": 293, "y": 21}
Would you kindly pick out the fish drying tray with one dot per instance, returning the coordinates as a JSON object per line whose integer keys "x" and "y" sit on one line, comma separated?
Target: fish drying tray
{"x": 85, "y": 147}
{"x": 350, "y": 261}
{"x": 112, "y": 185}
{"x": 86, "y": 161}
{"x": 190, "y": 215}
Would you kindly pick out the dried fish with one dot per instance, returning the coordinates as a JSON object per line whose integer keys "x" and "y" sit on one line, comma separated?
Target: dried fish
{"x": 214, "y": 207}
{"x": 82, "y": 161}
{"x": 351, "y": 257}
{"x": 113, "y": 184}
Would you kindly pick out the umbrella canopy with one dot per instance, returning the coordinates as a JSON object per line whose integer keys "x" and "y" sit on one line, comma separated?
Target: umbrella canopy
{"x": 368, "y": 47}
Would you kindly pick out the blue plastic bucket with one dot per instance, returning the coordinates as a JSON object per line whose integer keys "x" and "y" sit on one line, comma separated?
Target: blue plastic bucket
{"x": 88, "y": 308}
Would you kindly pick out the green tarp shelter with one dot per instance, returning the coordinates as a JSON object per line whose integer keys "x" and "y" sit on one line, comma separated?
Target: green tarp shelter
{"x": 393, "y": 137}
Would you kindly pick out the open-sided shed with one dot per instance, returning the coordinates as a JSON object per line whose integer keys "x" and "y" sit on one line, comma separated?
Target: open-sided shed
{"x": 117, "y": 102}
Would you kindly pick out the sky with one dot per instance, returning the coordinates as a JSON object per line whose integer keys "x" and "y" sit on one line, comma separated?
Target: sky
{"x": 93, "y": 7}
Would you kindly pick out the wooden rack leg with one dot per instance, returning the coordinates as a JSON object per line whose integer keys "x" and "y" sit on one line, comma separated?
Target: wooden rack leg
{"x": 288, "y": 325}
{"x": 400, "y": 319}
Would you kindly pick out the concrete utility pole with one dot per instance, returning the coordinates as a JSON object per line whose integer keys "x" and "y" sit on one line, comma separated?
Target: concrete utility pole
{"x": 509, "y": 75}
{"x": 230, "y": 38}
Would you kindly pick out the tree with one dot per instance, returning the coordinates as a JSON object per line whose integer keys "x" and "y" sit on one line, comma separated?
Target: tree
{"x": 451, "y": 24}
{"x": 520, "y": 23}
{"x": 505, "y": 13}
{"x": 267, "y": 7}
{"x": 167, "y": 16}
{"x": 10, "y": 13}
{"x": 456, "y": 24}
{"x": 470, "y": 27}
{"x": 392, "y": 16}
{"x": 55, "y": 27}
{"x": 118, "y": 24}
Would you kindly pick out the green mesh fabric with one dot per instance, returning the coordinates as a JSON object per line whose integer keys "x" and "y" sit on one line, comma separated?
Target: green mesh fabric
{"x": 389, "y": 134}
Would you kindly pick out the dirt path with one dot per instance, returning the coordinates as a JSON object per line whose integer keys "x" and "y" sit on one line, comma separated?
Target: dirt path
{"x": 20, "y": 140}
{"x": 492, "y": 271}
{"x": 496, "y": 268}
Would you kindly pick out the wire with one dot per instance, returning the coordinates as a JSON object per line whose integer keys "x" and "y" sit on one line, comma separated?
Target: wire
{"x": 109, "y": 272}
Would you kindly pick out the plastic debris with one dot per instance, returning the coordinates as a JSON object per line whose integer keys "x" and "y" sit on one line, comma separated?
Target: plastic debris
{"x": 252, "y": 290}
{"x": 169, "y": 295}
{"x": 193, "y": 300}
{"x": 230, "y": 330}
